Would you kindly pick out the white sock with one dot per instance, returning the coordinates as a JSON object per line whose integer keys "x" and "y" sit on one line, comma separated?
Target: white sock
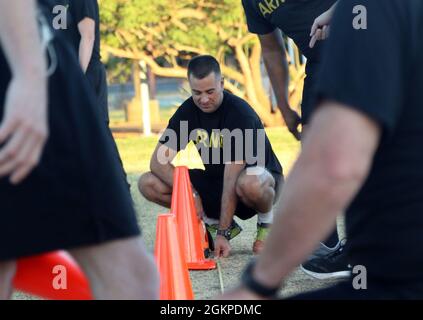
{"x": 210, "y": 221}
{"x": 265, "y": 217}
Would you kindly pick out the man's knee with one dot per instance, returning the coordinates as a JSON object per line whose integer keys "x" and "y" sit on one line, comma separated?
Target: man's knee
{"x": 154, "y": 189}
{"x": 253, "y": 187}
{"x": 249, "y": 188}
{"x": 146, "y": 185}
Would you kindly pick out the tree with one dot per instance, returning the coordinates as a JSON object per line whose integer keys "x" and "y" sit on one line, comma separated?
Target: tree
{"x": 167, "y": 33}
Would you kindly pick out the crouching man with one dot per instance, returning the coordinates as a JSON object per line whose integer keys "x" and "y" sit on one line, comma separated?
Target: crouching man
{"x": 242, "y": 175}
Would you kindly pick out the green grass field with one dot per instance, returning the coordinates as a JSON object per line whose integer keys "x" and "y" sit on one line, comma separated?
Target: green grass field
{"x": 136, "y": 153}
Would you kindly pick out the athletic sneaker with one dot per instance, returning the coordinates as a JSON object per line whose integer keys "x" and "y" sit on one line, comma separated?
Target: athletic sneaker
{"x": 330, "y": 266}
{"x": 262, "y": 232}
{"x": 323, "y": 251}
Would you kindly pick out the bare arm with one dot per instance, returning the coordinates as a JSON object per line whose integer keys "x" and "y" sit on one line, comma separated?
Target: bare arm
{"x": 228, "y": 206}
{"x": 24, "y": 128}
{"x": 333, "y": 165}
{"x": 335, "y": 161}
{"x": 320, "y": 29}
{"x": 274, "y": 56}
{"x": 19, "y": 37}
{"x": 273, "y": 49}
{"x": 87, "y": 30}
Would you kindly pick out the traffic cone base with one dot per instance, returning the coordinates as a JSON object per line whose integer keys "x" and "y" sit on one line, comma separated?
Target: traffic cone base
{"x": 175, "y": 283}
{"x": 202, "y": 265}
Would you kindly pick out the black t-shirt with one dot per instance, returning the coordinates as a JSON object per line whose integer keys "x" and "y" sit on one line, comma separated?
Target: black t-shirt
{"x": 293, "y": 17}
{"x": 78, "y": 10}
{"x": 211, "y": 132}
{"x": 379, "y": 71}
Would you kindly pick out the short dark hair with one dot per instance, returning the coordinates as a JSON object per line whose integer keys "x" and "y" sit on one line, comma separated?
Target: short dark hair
{"x": 201, "y": 66}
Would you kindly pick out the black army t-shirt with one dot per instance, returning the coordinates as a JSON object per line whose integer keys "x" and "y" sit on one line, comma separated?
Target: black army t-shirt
{"x": 233, "y": 132}
{"x": 379, "y": 72}
{"x": 293, "y": 17}
{"x": 77, "y": 11}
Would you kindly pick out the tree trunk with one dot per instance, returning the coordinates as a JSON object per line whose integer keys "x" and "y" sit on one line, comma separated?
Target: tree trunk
{"x": 152, "y": 87}
{"x": 133, "y": 111}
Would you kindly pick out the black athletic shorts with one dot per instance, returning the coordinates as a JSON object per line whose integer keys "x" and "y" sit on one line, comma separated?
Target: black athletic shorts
{"x": 211, "y": 197}
{"x": 96, "y": 75}
{"x": 97, "y": 78}
{"x": 76, "y": 196}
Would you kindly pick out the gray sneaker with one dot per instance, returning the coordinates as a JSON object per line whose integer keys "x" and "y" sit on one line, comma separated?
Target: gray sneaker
{"x": 323, "y": 250}
{"x": 330, "y": 266}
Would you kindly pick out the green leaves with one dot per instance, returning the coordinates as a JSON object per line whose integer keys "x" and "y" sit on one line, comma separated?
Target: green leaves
{"x": 167, "y": 33}
{"x": 162, "y": 27}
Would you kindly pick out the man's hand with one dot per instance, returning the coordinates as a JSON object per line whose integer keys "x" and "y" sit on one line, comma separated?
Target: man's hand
{"x": 320, "y": 29}
{"x": 292, "y": 120}
{"x": 24, "y": 130}
{"x": 222, "y": 248}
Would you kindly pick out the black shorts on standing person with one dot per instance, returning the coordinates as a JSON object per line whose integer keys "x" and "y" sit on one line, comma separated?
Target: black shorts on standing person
{"x": 77, "y": 11}
{"x": 76, "y": 196}
{"x": 384, "y": 222}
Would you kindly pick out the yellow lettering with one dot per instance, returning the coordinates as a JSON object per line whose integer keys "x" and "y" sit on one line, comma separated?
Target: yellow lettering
{"x": 270, "y": 4}
{"x": 202, "y": 137}
{"x": 264, "y": 10}
{"x": 214, "y": 140}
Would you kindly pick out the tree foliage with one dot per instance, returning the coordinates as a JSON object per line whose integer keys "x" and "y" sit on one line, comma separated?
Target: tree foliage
{"x": 167, "y": 33}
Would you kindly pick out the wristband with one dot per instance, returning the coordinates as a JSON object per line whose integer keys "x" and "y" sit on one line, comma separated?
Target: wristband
{"x": 251, "y": 284}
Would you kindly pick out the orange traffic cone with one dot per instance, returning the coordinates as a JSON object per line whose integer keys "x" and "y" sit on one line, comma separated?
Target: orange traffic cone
{"x": 175, "y": 283}
{"x": 54, "y": 275}
{"x": 190, "y": 226}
